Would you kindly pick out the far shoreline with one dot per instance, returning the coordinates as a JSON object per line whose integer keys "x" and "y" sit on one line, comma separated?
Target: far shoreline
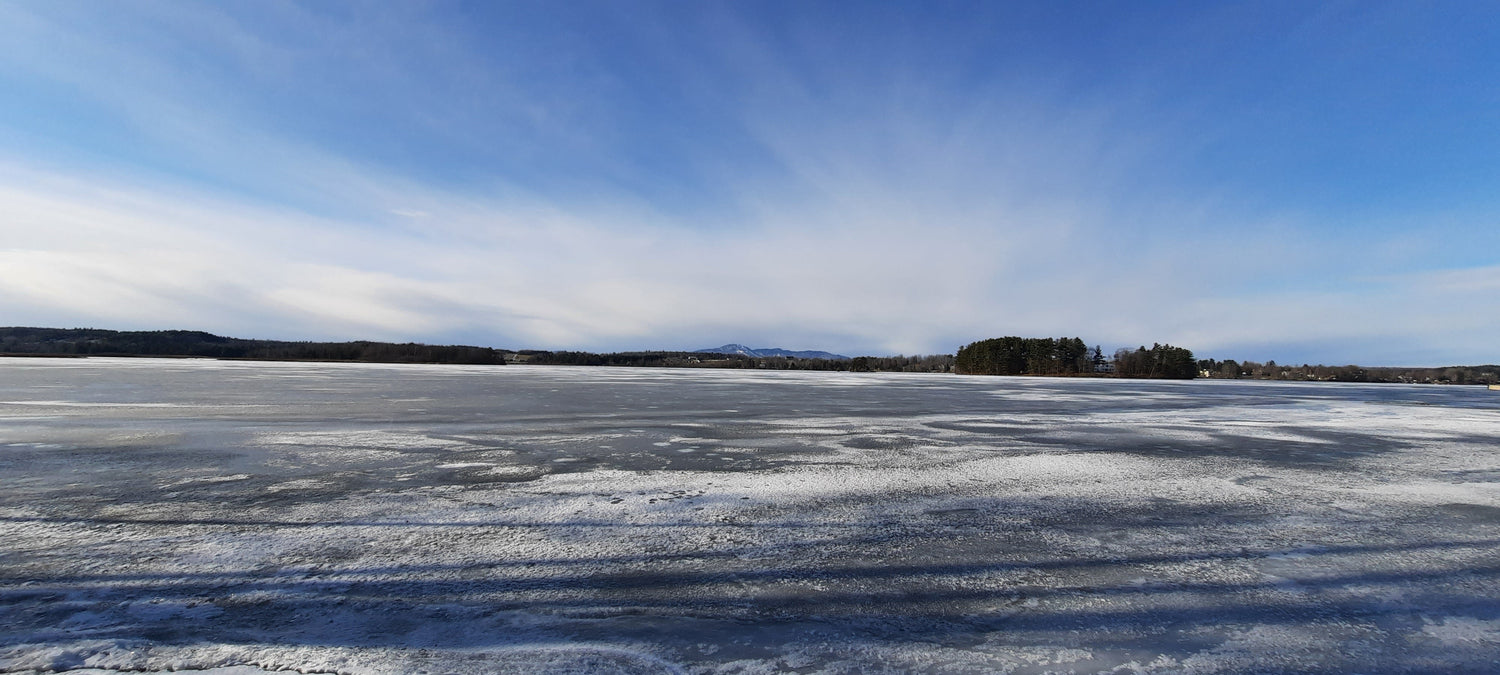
{"x": 1068, "y": 376}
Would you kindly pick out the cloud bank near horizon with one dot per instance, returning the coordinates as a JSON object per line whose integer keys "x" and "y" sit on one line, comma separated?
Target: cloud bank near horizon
{"x": 608, "y": 180}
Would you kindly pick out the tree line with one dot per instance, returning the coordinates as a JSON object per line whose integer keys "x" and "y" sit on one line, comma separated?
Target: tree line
{"x": 937, "y": 363}
{"x": 99, "y": 342}
{"x": 1270, "y": 370}
{"x": 1160, "y": 362}
{"x": 997, "y": 356}
{"x": 23, "y": 341}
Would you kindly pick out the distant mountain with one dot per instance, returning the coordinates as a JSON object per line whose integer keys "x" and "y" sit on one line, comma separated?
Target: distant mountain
{"x": 777, "y": 351}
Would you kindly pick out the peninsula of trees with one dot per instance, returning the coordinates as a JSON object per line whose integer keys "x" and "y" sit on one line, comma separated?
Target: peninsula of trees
{"x": 1012, "y": 355}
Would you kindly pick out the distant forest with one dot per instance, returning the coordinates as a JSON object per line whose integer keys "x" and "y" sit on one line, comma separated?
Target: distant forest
{"x": 1231, "y": 369}
{"x": 97, "y": 342}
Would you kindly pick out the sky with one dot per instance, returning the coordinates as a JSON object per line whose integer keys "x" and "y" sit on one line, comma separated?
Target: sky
{"x": 1293, "y": 181}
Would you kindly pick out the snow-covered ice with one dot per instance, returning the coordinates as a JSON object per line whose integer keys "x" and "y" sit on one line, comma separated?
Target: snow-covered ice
{"x": 238, "y": 518}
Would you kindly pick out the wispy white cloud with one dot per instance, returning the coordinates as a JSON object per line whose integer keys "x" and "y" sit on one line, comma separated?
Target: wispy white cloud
{"x": 93, "y": 252}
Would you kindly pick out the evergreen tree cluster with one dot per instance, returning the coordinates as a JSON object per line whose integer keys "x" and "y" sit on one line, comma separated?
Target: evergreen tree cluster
{"x": 1160, "y": 361}
{"x": 1012, "y": 355}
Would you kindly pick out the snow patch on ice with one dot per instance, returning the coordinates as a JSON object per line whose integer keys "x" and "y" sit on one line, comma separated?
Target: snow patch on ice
{"x": 1463, "y": 630}
{"x": 1431, "y": 493}
{"x": 210, "y": 479}
{"x": 299, "y": 484}
{"x": 93, "y": 404}
{"x": 109, "y": 657}
{"x": 377, "y": 439}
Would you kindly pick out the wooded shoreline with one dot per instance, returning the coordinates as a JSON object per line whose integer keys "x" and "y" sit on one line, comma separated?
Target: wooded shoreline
{"x": 1040, "y": 357}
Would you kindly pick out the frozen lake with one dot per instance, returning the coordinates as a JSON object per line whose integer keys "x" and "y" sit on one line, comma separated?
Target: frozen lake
{"x": 242, "y": 517}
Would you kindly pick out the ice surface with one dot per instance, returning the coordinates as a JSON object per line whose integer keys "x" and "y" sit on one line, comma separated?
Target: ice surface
{"x": 236, "y": 518}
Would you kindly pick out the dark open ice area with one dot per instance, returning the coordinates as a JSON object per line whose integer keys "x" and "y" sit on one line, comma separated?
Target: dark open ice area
{"x": 249, "y": 517}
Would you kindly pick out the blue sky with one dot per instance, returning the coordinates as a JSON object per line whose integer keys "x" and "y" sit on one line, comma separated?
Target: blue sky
{"x": 1304, "y": 182}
